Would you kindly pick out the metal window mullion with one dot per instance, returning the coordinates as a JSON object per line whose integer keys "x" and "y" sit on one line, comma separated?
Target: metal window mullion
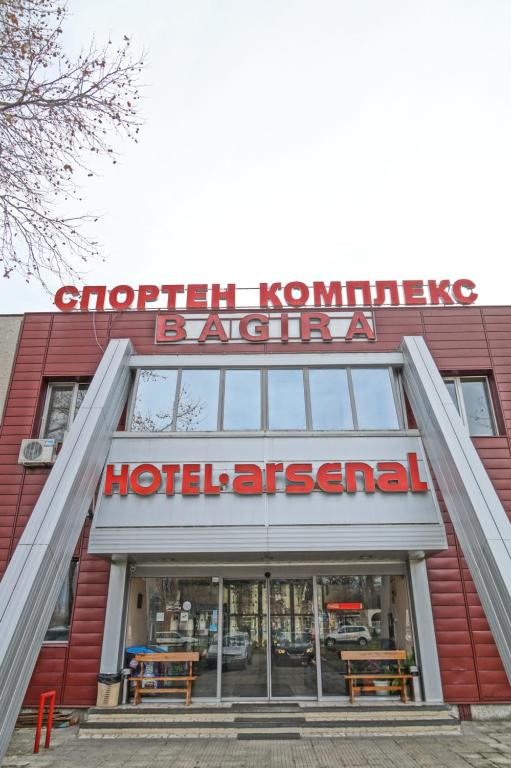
{"x": 173, "y": 427}
{"x": 398, "y": 401}
{"x": 221, "y": 400}
{"x": 461, "y": 402}
{"x": 268, "y": 641}
{"x": 354, "y": 415}
{"x": 307, "y": 398}
{"x": 220, "y": 637}
{"x": 315, "y": 604}
{"x": 264, "y": 399}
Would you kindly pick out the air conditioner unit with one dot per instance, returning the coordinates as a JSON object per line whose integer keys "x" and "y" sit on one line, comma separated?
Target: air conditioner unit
{"x": 35, "y": 452}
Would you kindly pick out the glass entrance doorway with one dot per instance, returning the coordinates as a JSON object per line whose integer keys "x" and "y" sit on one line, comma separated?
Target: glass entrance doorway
{"x": 268, "y": 647}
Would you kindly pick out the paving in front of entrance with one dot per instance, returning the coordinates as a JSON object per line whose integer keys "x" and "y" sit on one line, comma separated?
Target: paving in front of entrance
{"x": 479, "y": 745}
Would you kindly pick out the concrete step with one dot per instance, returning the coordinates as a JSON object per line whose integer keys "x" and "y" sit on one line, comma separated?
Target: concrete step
{"x": 282, "y": 722}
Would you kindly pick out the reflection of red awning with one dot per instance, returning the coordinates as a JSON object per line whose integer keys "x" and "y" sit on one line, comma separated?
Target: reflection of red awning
{"x": 344, "y": 606}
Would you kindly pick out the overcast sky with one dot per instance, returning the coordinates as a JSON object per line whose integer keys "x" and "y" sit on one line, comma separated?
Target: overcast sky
{"x": 307, "y": 140}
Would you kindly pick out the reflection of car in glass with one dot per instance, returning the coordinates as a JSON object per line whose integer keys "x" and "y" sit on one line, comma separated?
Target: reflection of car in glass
{"x": 174, "y": 639}
{"x": 297, "y": 649}
{"x": 236, "y": 651}
{"x": 348, "y": 634}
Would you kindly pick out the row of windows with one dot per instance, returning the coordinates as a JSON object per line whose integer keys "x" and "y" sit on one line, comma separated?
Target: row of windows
{"x": 236, "y": 399}
{"x": 206, "y": 400}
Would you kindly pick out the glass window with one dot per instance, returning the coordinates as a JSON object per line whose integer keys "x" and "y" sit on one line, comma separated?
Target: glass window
{"x": 374, "y": 398}
{"x": 153, "y": 410}
{"x": 451, "y": 388}
{"x": 173, "y": 615}
{"x": 58, "y": 629}
{"x": 330, "y": 398}
{"x": 242, "y": 400}
{"x": 286, "y": 399}
{"x": 471, "y": 396}
{"x": 477, "y": 407}
{"x": 64, "y": 401}
{"x": 359, "y": 613}
{"x": 197, "y": 408}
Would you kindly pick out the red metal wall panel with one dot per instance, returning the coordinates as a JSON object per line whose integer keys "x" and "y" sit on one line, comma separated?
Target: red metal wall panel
{"x": 461, "y": 339}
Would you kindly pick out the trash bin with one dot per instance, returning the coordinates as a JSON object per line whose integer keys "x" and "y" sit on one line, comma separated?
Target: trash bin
{"x": 109, "y": 686}
{"x": 416, "y": 684}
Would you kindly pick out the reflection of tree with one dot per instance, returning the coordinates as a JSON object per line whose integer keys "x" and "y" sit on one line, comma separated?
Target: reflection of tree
{"x": 189, "y": 411}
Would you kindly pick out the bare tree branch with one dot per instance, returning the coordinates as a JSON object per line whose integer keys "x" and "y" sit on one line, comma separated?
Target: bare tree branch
{"x": 56, "y": 115}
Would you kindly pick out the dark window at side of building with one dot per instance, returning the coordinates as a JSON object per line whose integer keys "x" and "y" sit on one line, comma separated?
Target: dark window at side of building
{"x": 63, "y": 401}
{"x": 472, "y": 397}
{"x": 58, "y": 629}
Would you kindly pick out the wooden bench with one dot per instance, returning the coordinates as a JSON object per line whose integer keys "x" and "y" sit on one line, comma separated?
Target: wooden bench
{"x": 352, "y": 678}
{"x": 165, "y": 658}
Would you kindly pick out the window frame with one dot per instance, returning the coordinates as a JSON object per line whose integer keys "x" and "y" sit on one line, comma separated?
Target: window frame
{"x": 462, "y": 411}
{"x": 75, "y": 561}
{"x": 49, "y": 388}
{"x": 394, "y": 379}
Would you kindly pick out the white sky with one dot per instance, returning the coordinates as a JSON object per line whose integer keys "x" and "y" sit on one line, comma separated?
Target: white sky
{"x": 307, "y": 140}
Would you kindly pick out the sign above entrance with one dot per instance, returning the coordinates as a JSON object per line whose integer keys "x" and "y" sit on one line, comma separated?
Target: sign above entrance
{"x": 254, "y": 480}
{"x": 267, "y": 296}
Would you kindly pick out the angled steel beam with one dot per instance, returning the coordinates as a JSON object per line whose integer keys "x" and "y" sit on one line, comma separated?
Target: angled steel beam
{"x": 479, "y": 519}
{"x": 34, "y": 577}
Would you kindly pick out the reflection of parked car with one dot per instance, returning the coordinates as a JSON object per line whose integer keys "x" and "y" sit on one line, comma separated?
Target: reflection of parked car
{"x": 174, "y": 639}
{"x": 236, "y": 651}
{"x": 348, "y": 634}
{"x": 294, "y": 650}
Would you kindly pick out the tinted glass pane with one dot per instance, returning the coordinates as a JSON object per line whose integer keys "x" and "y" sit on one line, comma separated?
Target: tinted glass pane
{"x": 286, "y": 400}
{"x": 242, "y": 400}
{"x": 82, "y": 391}
{"x": 361, "y": 613}
{"x": 330, "y": 399}
{"x": 197, "y": 408}
{"x": 451, "y": 388}
{"x": 58, "y": 411}
{"x": 58, "y": 629}
{"x": 374, "y": 399}
{"x": 154, "y": 402}
{"x": 475, "y": 397}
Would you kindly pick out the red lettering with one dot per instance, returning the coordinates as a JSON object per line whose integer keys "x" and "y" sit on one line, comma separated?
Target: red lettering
{"x": 171, "y": 291}
{"x": 271, "y": 476}
{"x": 386, "y": 285}
{"x": 145, "y": 469}
{"x": 351, "y": 469}
{"x": 439, "y": 292}
{"x": 99, "y": 291}
{"x": 267, "y": 295}
{"x": 170, "y": 471}
{"x": 413, "y": 292}
{"x": 197, "y": 296}
{"x": 359, "y": 326}
{"x": 291, "y": 299}
{"x": 260, "y": 332}
{"x": 191, "y": 480}
{"x": 170, "y": 328}
{"x": 116, "y": 302}
{"x": 147, "y": 293}
{"x": 213, "y": 328}
{"x": 120, "y": 480}
{"x": 330, "y": 297}
{"x": 394, "y": 477}
{"x": 351, "y": 293}
{"x": 417, "y": 485}
{"x": 459, "y": 296}
{"x": 210, "y": 489}
{"x": 299, "y": 476}
{"x": 284, "y": 327}
{"x": 248, "y": 480}
{"x": 66, "y": 306}
{"x": 314, "y": 321}
{"x": 228, "y": 295}
{"x": 329, "y": 477}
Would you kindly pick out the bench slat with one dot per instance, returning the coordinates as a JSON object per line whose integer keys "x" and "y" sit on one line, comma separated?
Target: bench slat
{"x": 373, "y": 655}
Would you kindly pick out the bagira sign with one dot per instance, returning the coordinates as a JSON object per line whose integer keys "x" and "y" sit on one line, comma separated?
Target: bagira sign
{"x": 273, "y": 477}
